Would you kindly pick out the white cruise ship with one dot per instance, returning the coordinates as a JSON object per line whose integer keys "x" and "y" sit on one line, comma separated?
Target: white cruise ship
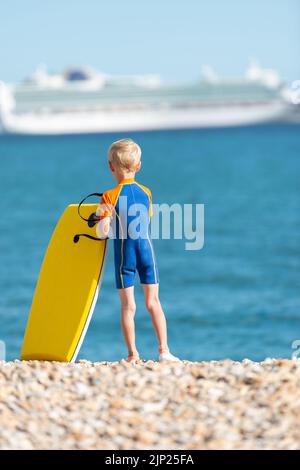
{"x": 84, "y": 101}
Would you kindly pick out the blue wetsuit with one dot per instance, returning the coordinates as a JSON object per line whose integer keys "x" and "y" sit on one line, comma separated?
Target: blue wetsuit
{"x": 130, "y": 207}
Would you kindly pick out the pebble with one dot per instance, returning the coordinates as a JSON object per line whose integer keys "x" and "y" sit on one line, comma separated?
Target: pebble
{"x": 117, "y": 405}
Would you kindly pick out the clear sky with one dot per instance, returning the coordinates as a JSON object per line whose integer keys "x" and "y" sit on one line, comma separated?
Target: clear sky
{"x": 170, "y": 37}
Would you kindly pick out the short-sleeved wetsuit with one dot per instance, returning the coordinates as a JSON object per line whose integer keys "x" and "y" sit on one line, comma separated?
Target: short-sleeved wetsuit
{"x": 129, "y": 204}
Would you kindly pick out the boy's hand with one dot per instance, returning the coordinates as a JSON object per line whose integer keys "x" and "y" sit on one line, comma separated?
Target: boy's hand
{"x": 102, "y": 227}
{"x": 100, "y": 211}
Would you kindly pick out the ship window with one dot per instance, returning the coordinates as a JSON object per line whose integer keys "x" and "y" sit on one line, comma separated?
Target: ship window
{"x": 75, "y": 75}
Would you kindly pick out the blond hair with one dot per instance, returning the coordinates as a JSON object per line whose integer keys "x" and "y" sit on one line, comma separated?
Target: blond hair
{"x": 125, "y": 154}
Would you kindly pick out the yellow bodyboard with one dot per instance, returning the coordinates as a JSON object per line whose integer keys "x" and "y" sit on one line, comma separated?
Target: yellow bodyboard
{"x": 67, "y": 290}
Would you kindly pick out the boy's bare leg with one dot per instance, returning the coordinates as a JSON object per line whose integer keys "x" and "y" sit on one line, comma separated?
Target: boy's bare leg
{"x": 157, "y": 315}
{"x": 127, "y": 320}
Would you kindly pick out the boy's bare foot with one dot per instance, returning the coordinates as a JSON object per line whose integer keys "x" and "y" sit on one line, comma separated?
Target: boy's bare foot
{"x": 167, "y": 357}
{"x": 133, "y": 358}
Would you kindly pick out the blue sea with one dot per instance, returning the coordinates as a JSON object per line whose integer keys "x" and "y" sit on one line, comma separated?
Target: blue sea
{"x": 238, "y": 297}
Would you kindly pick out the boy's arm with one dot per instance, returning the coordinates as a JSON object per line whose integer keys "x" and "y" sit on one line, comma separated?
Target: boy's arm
{"x": 104, "y": 212}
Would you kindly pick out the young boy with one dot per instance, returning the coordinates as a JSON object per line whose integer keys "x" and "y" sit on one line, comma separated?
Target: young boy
{"x": 133, "y": 248}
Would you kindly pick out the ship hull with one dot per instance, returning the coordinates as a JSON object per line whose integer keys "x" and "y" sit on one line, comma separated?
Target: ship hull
{"x": 123, "y": 120}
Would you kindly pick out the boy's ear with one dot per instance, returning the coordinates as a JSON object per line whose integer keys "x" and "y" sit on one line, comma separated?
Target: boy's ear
{"x": 138, "y": 166}
{"x": 111, "y": 166}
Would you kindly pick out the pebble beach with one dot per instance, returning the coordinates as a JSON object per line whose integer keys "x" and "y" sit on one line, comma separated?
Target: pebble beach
{"x": 147, "y": 405}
